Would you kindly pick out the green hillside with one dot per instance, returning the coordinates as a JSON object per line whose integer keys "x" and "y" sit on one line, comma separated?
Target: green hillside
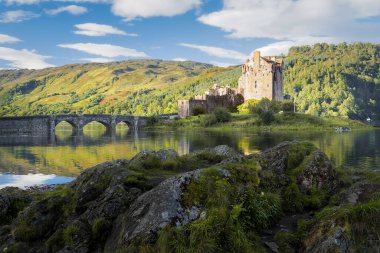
{"x": 139, "y": 87}
{"x": 334, "y": 80}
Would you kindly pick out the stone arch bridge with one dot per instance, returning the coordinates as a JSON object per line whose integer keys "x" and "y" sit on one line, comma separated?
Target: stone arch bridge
{"x": 46, "y": 124}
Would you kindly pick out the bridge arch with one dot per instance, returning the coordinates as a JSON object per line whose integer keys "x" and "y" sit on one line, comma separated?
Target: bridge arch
{"x": 126, "y": 122}
{"x": 72, "y": 123}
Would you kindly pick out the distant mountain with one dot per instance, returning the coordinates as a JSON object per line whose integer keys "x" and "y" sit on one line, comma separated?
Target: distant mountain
{"x": 336, "y": 80}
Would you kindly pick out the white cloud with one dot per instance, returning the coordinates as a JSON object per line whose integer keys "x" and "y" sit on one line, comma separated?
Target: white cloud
{"x": 217, "y": 51}
{"x": 290, "y": 21}
{"x": 86, "y": 1}
{"x": 16, "y": 16}
{"x": 23, "y": 59}
{"x": 222, "y": 64}
{"x": 72, "y": 9}
{"x": 104, "y": 50}
{"x": 8, "y": 39}
{"x": 93, "y": 29}
{"x": 131, "y": 9}
{"x": 180, "y": 59}
{"x": 98, "y": 60}
{"x": 20, "y": 1}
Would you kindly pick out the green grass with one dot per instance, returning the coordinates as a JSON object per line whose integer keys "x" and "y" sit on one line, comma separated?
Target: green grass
{"x": 283, "y": 122}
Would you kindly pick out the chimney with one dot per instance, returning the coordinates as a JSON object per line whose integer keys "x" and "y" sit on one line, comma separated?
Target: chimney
{"x": 256, "y": 58}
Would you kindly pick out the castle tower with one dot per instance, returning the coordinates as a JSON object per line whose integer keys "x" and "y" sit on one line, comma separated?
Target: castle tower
{"x": 262, "y": 78}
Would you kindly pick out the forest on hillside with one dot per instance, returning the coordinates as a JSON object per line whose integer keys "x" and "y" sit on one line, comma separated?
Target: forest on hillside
{"x": 333, "y": 80}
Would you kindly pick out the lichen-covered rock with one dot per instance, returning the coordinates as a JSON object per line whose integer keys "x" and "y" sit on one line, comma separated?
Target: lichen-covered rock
{"x": 226, "y": 151}
{"x": 90, "y": 184}
{"x": 351, "y": 226}
{"x": 112, "y": 202}
{"x": 12, "y": 200}
{"x": 163, "y": 155}
{"x": 318, "y": 174}
{"x": 311, "y": 168}
{"x": 154, "y": 210}
{"x": 359, "y": 192}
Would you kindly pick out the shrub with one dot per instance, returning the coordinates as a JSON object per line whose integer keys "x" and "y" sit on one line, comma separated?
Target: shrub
{"x": 222, "y": 115}
{"x": 100, "y": 229}
{"x": 260, "y": 211}
{"x": 198, "y": 111}
{"x": 208, "y": 120}
{"x": 170, "y": 164}
{"x": 152, "y": 120}
{"x": 55, "y": 242}
{"x": 245, "y": 107}
{"x": 267, "y": 117}
{"x": 138, "y": 181}
{"x": 69, "y": 234}
{"x": 293, "y": 200}
{"x": 287, "y": 106}
{"x": 151, "y": 162}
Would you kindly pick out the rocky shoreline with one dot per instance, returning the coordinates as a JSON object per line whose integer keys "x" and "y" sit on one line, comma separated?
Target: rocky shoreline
{"x": 289, "y": 198}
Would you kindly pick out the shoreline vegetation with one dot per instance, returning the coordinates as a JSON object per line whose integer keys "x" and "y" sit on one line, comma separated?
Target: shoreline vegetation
{"x": 260, "y": 115}
{"x": 289, "y": 198}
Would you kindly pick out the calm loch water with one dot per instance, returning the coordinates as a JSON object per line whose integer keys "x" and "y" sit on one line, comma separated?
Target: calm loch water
{"x": 26, "y": 161}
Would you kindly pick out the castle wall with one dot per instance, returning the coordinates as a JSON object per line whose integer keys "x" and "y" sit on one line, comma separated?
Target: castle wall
{"x": 210, "y": 101}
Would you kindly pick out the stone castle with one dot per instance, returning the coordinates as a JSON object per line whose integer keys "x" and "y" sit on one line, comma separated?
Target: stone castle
{"x": 262, "y": 77}
{"x": 215, "y": 97}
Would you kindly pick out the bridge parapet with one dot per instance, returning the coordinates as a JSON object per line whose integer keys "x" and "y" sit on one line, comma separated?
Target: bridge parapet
{"x": 47, "y": 124}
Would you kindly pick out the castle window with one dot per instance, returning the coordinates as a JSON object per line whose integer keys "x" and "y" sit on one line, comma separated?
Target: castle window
{"x": 255, "y": 84}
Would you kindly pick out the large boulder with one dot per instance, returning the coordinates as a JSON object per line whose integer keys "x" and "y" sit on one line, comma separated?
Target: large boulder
{"x": 154, "y": 210}
{"x": 318, "y": 174}
{"x": 226, "y": 151}
{"x": 359, "y": 192}
{"x": 302, "y": 161}
{"x": 351, "y": 226}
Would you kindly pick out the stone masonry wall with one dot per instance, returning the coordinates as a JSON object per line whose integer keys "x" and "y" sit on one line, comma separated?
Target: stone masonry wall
{"x": 24, "y": 125}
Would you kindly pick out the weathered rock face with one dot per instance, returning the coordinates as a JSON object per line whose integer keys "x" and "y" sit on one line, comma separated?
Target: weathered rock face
{"x": 163, "y": 155}
{"x": 350, "y": 227}
{"x": 228, "y": 152}
{"x": 123, "y": 204}
{"x": 319, "y": 173}
{"x": 359, "y": 192}
{"x": 12, "y": 200}
{"x": 311, "y": 167}
{"x": 152, "y": 211}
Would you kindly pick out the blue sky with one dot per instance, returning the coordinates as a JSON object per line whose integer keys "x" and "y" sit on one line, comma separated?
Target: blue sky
{"x": 44, "y": 33}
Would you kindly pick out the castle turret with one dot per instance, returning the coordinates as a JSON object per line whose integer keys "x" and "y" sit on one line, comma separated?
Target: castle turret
{"x": 262, "y": 77}
{"x": 256, "y": 58}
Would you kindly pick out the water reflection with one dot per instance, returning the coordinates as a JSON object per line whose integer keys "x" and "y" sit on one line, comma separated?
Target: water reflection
{"x": 23, "y": 181}
{"x": 68, "y": 155}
